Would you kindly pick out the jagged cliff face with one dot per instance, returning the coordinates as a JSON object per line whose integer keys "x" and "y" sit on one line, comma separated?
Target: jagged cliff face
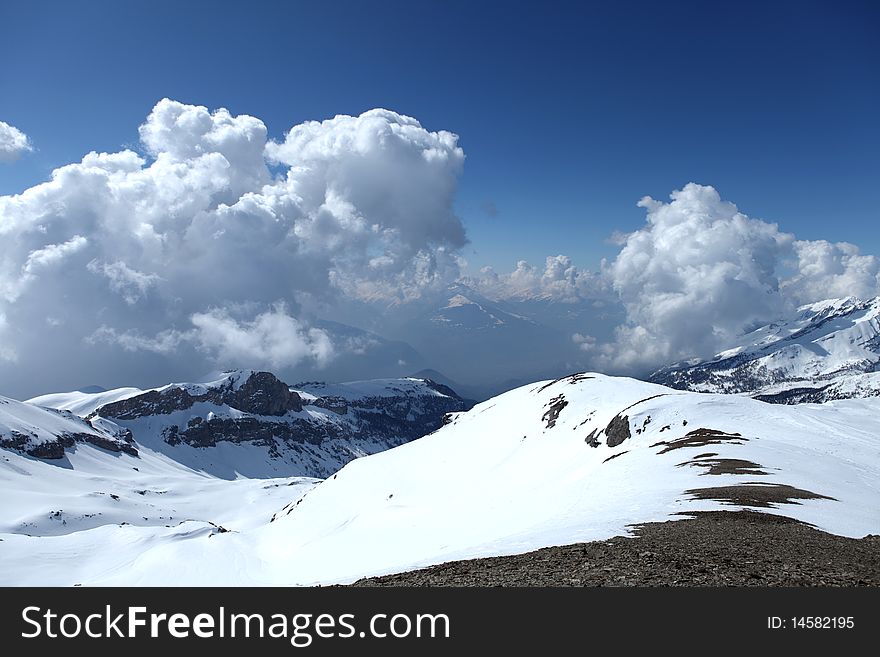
{"x": 312, "y": 429}
{"x": 259, "y": 393}
{"x": 828, "y": 350}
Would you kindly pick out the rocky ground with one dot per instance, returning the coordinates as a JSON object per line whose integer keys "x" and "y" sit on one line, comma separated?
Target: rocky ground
{"x": 734, "y": 548}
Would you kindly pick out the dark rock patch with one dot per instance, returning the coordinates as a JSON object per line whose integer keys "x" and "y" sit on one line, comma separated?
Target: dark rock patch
{"x": 756, "y": 494}
{"x": 614, "y": 456}
{"x": 725, "y": 466}
{"x": 109, "y": 444}
{"x": 552, "y": 414}
{"x": 261, "y": 394}
{"x": 54, "y": 448}
{"x": 617, "y": 430}
{"x": 700, "y": 438}
{"x": 153, "y": 402}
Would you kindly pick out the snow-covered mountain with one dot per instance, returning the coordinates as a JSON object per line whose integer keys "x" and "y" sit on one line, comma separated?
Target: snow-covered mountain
{"x": 577, "y": 459}
{"x": 46, "y": 433}
{"x": 828, "y": 350}
{"x": 248, "y": 423}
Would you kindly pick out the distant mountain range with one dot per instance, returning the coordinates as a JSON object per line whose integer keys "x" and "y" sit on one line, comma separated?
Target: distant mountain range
{"x": 827, "y": 350}
{"x": 264, "y": 427}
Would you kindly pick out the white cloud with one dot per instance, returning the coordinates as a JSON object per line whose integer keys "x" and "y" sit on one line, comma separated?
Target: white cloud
{"x": 52, "y": 254}
{"x": 273, "y": 338}
{"x": 560, "y": 280}
{"x": 39, "y": 262}
{"x": 690, "y": 280}
{"x": 700, "y": 272}
{"x": 13, "y": 143}
{"x": 122, "y": 245}
{"x": 379, "y": 190}
{"x": 164, "y": 342}
{"x": 827, "y": 270}
{"x": 130, "y": 283}
{"x": 7, "y": 353}
{"x": 584, "y": 342}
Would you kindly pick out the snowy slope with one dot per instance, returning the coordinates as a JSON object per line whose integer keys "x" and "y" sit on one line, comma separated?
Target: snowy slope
{"x": 83, "y": 403}
{"x": 828, "y": 350}
{"x": 91, "y": 488}
{"x": 45, "y": 432}
{"x": 577, "y": 459}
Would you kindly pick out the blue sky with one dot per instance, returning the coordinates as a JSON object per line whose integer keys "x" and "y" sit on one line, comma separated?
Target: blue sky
{"x": 568, "y": 112}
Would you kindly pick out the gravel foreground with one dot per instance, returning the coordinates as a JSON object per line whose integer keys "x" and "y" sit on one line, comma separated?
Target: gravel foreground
{"x": 717, "y": 548}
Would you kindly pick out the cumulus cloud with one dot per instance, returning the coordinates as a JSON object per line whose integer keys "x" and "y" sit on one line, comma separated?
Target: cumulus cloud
{"x": 13, "y": 143}
{"x": 164, "y": 342}
{"x": 559, "y": 280}
{"x": 7, "y": 353}
{"x": 584, "y": 342}
{"x": 130, "y": 283}
{"x": 826, "y": 270}
{"x": 701, "y": 271}
{"x": 697, "y": 273}
{"x": 190, "y": 245}
{"x": 273, "y": 337}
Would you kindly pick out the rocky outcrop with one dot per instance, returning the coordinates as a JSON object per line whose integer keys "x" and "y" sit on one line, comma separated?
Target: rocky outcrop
{"x": 617, "y": 431}
{"x": 206, "y": 433}
{"x": 46, "y": 432}
{"x": 110, "y": 444}
{"x": 154, "y": 402}
{"x": 262, "y": 393}
{"x": 54, "y": 448}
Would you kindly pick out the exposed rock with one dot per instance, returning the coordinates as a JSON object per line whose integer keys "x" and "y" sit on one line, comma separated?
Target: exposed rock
{"x": 262, "y": 393}
{"x": 332, "y": 403}
{"x": 700, "y": 438}
{"x": 552, "y": 414}
{"x": 614, "y": 456}
{"x": 755, "y": 494}
{"x": 208, "y": 433}
{"x": 109, "y": 444}
{"x": 716, "y": 548}
{"x": 54, "y": 449}
{"x": 51, "y": 449}
{"x": 725, "y": 466}
{"x": 154, "y": 402}
{"x": 617, "y": 430}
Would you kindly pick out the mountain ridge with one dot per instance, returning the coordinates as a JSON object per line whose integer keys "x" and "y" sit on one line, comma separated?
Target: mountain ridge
{"x": 310, "y": 431}
{"x": 826, "y": 350}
